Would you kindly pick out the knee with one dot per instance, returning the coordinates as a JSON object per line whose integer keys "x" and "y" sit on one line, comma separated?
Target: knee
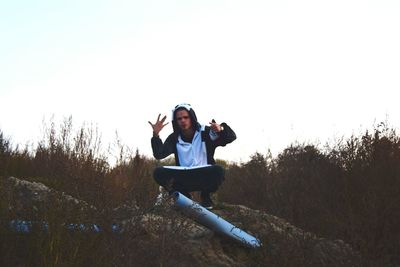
{"x": 219, "y": 172}
{"x": 217, "y": 175}
{"x": 158, "y": 174}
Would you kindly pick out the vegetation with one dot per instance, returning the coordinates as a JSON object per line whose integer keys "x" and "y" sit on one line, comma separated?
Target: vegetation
{"x": 349, "y": 190}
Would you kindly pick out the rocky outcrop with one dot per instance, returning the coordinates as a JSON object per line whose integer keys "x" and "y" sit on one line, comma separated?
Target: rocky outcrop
{"x": 185, "y": 243}
{"x": 283, "y": 243}
{"x": 32, "y": 200}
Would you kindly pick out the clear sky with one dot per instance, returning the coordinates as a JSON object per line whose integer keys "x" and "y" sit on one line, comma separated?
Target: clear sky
{"x": 277, "y": 71}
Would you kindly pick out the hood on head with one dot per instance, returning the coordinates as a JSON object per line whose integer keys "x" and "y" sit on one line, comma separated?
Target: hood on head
{"x": 192, "y": 115}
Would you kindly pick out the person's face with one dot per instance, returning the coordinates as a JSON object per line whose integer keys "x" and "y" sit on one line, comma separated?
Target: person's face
{"x": 183, "y": 119}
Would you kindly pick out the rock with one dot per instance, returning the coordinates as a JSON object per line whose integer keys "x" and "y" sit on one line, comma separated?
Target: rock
{"x": 283, "y": 243}
{"x": 179, "y": 241}
{"x": 33, "y": 198}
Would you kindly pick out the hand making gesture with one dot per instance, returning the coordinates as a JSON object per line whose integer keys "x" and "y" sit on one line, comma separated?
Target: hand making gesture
{"x": 157, "y": 127}
{"x": 216, "y": 127}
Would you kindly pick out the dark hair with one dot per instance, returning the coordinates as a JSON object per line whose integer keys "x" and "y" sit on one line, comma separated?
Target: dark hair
{"x": 195, "y": 125}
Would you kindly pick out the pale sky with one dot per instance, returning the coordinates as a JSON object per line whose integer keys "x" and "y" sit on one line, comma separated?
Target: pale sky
{"x": 276, "y": 71}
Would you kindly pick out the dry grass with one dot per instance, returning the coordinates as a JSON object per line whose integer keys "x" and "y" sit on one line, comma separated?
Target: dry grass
{"x": 350, "y": 191}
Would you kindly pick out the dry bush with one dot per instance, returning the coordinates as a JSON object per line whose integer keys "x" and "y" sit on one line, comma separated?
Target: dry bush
{"x": 249, "y": 183}
{"x": 73, "y": 162}
{"x": 372, "y": 186}
{"x": 349, "y": 191}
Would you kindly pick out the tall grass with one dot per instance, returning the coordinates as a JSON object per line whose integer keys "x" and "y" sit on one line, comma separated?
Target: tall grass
{"x": 348, "y": 190}
{"x": 74, "y": 162}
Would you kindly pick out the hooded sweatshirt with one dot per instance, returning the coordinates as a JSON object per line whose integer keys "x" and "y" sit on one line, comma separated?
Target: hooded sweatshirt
{"x": 200, "y": 151}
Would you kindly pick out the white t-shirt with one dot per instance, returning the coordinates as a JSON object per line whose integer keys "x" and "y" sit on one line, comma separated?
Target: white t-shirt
{"x": 193, "y": 154}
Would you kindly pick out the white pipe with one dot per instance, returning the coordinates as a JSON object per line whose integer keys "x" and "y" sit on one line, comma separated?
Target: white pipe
{"x": 212, "y": 221}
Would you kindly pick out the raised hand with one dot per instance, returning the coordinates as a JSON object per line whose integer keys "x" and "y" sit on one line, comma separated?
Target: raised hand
{"x": 157, "y": 127}
{"x": 215, "y": 126}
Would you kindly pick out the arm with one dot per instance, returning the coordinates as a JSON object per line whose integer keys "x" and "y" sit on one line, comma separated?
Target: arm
{"x": 162, "y": 150}
{"x": 225, "y": 134}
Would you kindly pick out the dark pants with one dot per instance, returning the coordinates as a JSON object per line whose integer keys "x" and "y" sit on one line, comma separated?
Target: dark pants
{"x": 205, "y": 179}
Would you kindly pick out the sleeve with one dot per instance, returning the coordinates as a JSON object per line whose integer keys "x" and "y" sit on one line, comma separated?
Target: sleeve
{"x": 226, "y": 136}
{"x": 162, "y": 150}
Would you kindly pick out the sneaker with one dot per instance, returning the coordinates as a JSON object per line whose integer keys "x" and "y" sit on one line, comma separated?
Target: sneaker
{"x": 162, "y": 196}
{"x": 206, "y": 201}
